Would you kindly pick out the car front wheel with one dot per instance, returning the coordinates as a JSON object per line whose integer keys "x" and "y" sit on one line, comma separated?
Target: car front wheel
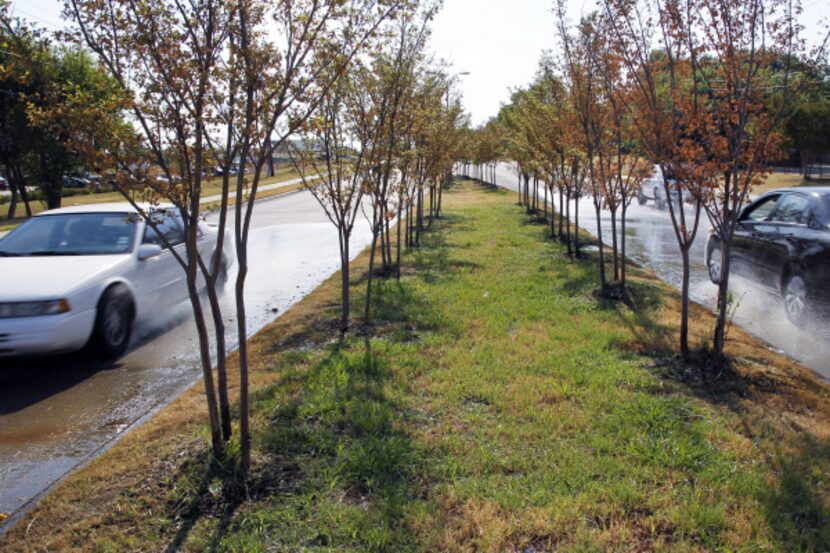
{"x": 113, "y": 323}
{"x": 795, "y": 299}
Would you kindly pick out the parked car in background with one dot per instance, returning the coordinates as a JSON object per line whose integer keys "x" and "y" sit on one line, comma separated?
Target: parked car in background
{"x": 4, "y": 184}
{"x": 94, "y": 178}
{"x": 652, "y": 189}
{"x": 782, "y": 242}
{"x": 84, "y": 275}
{"x": 163, "y": 179}
{"x": 73, "y": 181}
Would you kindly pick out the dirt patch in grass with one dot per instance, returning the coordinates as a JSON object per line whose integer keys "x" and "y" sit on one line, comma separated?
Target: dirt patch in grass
{"x": 495, "y": 404}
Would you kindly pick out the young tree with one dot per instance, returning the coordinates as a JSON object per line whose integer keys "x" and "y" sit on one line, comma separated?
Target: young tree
{"x": 171, "y": 63}
{"x": 658, "y": 83}
{"x": 743, "y": 57}
{"x": 331, "y": 165}
{"x": 580, "y": 55}
{"x": 621, "y": 166}
{"x": 290, "y": 54}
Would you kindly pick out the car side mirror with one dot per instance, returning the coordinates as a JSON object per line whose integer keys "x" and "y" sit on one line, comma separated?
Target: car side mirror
{"x": 146, "y": 251}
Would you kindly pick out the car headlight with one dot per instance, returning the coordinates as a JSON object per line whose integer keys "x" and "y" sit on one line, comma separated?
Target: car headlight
{"x": 11, "y": 310}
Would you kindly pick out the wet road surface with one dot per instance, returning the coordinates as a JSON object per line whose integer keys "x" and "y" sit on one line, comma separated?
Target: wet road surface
{"x": 651, "y": 242}
{"x": 58, "y": 412}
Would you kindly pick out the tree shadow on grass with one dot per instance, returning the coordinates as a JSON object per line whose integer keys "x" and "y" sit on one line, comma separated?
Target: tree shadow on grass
{"x": 798, "y": 516}
{"x": 485, "y": 186}
{"x": 433, "y": 262}
{"x": 332, "y": 467}
{"x": 340, "y": 431}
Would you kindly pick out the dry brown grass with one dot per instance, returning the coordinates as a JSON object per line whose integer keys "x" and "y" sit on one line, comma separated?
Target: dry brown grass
{"x": 788, "y": 180}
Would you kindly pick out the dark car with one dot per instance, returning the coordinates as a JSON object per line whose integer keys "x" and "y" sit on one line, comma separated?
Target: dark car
{"x": 71, "y": 181}
{"x": 782, "y": 241}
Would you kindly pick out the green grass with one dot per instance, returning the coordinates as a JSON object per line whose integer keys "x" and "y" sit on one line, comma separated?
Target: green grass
{"x": 496, "y": 405}
{"x": 498, "y": 412}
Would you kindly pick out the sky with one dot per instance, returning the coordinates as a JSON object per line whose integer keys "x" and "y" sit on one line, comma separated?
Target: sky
{"x": 498, "y": 42}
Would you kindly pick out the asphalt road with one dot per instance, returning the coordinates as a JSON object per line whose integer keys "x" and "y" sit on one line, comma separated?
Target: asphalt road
{"x": 56, "y": 413}
{"x": 651, "y": 242}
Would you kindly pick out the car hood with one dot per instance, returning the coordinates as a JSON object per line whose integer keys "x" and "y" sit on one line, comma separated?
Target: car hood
{"x": 52, "y": 277}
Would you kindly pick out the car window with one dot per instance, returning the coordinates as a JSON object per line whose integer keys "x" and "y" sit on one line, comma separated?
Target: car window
{"x": 168, "y": 225}
{"x": 72, "y": 234}
{"x": 793, "y": 208}
{"x": 761, "y": 210}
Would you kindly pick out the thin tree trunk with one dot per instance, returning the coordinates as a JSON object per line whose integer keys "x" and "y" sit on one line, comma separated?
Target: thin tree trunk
{"x": 520, "y": 188}
{"x": 344, "y": 279}
{"x": 576, "y": 228}
{"x": 562, "y": 209}
{"x": 553, "y": 214}
{"x": 241, "y": 329}
{"x": 431, "y": 205}
{"x": 568, "y": 216}
{"x": 409, "y": 225}
{"x": 12, "y": 184}
{"x": 441, "y": 194}
{"x": 535, "y": 195}
{"x": 723, "y": 299}
{"x": 371, "y": 275}
{"x": 614, "y": 250}
{"x": 622, "y": 247}
{"x": 398, "y": 250}
{"x": 684, "y": 311}
{"x": 204, "y": 355}
{"x": 419, "y": 223}
{"x": 388, "y": 243}
{"x": 602, "y": 278}
{"x": 379, "y": 223}
{"x": 24, "y": 194}
{"x": 221, "y": 361}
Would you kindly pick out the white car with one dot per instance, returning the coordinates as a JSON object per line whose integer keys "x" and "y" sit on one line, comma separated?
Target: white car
{"x": 83, "y": 275}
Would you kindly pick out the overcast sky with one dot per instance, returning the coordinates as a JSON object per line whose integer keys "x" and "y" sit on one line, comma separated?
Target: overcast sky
{"x": 497, "y": 41}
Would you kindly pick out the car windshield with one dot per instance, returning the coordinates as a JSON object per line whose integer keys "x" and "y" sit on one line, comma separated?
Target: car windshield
{"x": 72, "y": 234}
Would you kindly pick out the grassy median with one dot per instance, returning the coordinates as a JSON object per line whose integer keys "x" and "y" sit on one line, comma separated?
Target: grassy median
{"x": 496, "y": 404}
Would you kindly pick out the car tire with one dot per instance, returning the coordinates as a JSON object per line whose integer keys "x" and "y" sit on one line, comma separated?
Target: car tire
{"x": 796, "y": 299}
{"x": 113, "y": 323}
{"x": 641, "y": 199}
{"x": 714, "y": 263}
